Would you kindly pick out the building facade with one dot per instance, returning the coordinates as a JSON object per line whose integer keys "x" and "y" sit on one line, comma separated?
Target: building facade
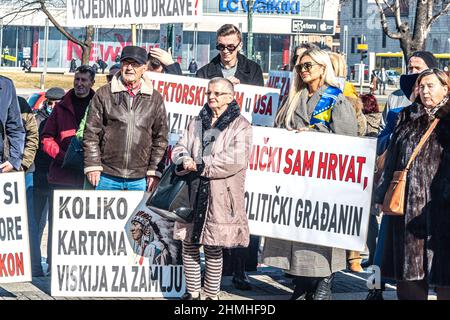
{"x": 273, "y": 38}
{"x": 360, "y": 23}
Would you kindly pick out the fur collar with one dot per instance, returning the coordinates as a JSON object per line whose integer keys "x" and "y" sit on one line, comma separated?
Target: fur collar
{"x": 118, "y": 86}
{"x": 231, "y": 113}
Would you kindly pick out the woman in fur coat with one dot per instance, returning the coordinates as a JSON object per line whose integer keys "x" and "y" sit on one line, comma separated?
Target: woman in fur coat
{"x": 417, "y": 245}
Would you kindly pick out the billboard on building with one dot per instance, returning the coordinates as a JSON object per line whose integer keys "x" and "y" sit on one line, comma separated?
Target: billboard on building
{"x": 102, "y": 12}
{"x": 313, "y": 26}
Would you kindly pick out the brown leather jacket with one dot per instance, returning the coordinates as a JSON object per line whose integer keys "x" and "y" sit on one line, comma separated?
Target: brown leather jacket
{"x": 122, "y": 140}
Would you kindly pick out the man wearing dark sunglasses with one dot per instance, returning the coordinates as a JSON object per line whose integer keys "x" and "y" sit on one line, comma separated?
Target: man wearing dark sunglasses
{"x": 229, "y": 63}
{"x": 232, "y": 65}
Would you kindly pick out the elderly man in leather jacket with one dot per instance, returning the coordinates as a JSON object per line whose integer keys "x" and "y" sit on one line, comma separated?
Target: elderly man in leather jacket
{"x": 126, "y": 132}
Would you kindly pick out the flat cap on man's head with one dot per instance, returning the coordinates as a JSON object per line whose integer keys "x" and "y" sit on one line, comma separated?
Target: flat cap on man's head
{"x": 136, "y": 53}
{"x": 55, "y": 93}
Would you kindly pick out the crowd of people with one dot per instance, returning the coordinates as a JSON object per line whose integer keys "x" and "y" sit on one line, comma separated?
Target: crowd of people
{"x": 122, "y": 129}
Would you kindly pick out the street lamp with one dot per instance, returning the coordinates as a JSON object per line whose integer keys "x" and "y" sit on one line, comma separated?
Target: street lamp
{"x": 250, "y": 30}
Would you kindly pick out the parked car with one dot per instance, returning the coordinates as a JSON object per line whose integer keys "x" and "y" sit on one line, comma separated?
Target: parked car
{"x": 393, "y": 77}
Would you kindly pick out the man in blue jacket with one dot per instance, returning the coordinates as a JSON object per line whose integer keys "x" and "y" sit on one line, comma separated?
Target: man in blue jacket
{"x": 11, "y": 126}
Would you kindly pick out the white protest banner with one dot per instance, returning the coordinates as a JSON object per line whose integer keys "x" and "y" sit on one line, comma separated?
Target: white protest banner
{"x": 184, "y": 97}
{"x": 281, "y": 80}
{"x": 310, "y": 187}
{"x": 108, "y": 12}
{"x": 109, "y": 244}
{"x": 15, "y": 263}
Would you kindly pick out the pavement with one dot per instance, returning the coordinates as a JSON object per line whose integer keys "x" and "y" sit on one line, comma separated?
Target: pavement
{"x": 268, "y": 284}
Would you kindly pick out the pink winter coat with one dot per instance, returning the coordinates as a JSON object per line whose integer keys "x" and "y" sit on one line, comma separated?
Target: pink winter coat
{"x": 226, "y": 223}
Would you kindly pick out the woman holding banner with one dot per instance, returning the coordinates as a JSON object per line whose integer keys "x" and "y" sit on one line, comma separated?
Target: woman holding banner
{"x": 315, "y": 103}
{"x": 216, "y": 145}
{"x": 417, "y": 244}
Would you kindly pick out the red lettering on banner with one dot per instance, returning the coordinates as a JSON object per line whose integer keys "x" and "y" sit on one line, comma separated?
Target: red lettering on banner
{"x": 239, "y": 97}
{"x": 361, "y": 161}
{"x": 327, "y": 166}
{"x": 342, "y": 165}
{"x": 332, "y": 167}
{"x": 181, "y": 93}
{"x": 262, "y": 104}
{"x": 287, "y": 169}
{"x": 295, "y": 166}
{"x": 11, "y": 265}
{"x": 323, "y": 159}
{"x": 308, "y": 163}
{"x": 351, "y": 170}
{"x": 265, "y": 158}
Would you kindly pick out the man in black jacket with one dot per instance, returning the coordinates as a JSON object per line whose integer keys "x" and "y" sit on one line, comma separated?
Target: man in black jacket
{"x": 232, "y": 65}
{"x": 229, "y": 63}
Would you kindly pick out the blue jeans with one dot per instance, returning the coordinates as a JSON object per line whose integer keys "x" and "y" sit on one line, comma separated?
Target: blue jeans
{"x": 108, "y": 182}
{"x": 33, "y": 229}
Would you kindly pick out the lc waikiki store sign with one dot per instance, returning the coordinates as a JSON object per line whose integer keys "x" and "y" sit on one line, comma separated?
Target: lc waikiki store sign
{"x": 261, "y": 6}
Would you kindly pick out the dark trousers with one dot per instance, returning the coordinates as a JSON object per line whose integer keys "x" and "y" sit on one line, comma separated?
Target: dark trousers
{"x": 372, "y": 235}
{"x": 41, "y": 194}
{"x": 238, "y": 260}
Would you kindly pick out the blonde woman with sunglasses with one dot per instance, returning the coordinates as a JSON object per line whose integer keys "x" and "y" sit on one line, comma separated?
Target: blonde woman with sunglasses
{"x": 313, "y": 90}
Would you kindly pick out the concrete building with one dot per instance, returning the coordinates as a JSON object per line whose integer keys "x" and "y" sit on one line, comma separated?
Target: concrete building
{"x": 273, "y": 38}
{"x": 360, "y": 19}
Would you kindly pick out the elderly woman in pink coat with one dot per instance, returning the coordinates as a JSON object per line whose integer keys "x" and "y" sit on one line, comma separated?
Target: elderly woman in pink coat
{"x": 216, "y": 145}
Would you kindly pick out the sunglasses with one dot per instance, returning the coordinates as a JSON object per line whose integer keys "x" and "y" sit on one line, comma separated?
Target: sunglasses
{"x": 230, "y": 47}
{"x": 307, "y": 66}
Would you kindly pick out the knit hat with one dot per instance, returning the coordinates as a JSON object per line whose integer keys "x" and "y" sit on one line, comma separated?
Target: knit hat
{"x": 55, "y": 93}
{"x": 427, "y": 57}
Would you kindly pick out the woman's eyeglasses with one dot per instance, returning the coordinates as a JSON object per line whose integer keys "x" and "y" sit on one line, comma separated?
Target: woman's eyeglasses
{"x": 307, "y": 66}
{"x": 216, "y": 94}
{"x": 230, "y": 47}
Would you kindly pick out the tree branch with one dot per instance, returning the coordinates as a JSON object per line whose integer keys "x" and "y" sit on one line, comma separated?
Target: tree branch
{"x": 398, "y": 20}
{"x": 384, "y": 24}
{"x": 58, "y": 26}
{"x": 437, "y": 15}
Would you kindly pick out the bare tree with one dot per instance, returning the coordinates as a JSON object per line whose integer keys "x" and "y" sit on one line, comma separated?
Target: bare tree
{"x": 427, "y": 12}
{"x": 20, "y": 8}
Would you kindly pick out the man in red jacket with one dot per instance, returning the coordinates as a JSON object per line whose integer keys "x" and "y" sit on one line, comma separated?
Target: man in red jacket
{"x": 61, "y": 126}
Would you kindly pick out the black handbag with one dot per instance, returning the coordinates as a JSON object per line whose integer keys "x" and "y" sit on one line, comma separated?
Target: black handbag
{"x": 174, "y": 197}
{"x": 74, "y": 158}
